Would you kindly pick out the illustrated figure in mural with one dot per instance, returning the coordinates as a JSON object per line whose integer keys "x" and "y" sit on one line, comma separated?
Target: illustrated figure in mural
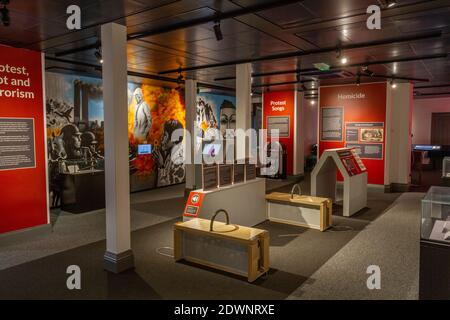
{"x": 206, "y": 119}
{"x": 71, "y": 137}
{"x": 89, "y": 148}
{"x": 169, "y": 156}
{"x": 56, "y": 159}
{"x": 58, "y": 113}
{"x": 227, "y": 117}
{"x": 142, "y": 117}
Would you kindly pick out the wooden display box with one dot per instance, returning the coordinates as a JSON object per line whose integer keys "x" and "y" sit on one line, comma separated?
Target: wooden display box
{"x": 303, "y": 211}
{"x": 236, "y": 249}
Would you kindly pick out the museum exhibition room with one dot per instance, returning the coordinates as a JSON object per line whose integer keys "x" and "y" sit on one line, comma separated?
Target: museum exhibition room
{"x": 204, "y": 150}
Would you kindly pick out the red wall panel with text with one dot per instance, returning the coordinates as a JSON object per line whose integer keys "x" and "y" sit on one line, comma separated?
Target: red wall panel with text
{"x": 280, "y": 106}
{"x": 363, "y": 123}
{"x": 23, "y": 186}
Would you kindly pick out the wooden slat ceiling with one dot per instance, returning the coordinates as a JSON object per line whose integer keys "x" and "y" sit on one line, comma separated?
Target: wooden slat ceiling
{"x": 304, "y": 25}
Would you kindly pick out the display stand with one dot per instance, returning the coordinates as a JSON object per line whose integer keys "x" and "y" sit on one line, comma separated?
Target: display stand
{"x": 244, "y": 201}
{"x": 83, "y": 191}
{"x": 323, "y": 179}
{"x": 231, "y": 248}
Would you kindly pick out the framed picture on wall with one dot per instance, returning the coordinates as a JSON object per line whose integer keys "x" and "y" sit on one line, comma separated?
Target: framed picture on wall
{"x": 371, "y": 135}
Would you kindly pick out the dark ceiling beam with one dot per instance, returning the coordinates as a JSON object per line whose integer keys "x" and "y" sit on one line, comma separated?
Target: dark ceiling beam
{"x": 265, "y": 85}
{"x": 433, "y": 86}
{"x": 394, "y": 77}
{"x": 418, "y": 94}
{"x": 218, "y": 16}
{"x": 279, "y": 56}
{"x": 213, "y": 18}
{"x": 333, "y": 69}
{"x": 98, "y": 67}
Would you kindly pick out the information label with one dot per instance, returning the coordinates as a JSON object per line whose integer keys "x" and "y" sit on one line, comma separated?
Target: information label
{"x": 332, "y": 119}
{"x": 239, "y": 173}
{"x": 250, "y": 172}
{"x": 368, "y": 151}
{"x": 210, "y": 177}
{"x": 225, "y": 175}
{"x": 280, "y": 123}
{"x": 17, "y": 149}
{"x": 193, "y": 204}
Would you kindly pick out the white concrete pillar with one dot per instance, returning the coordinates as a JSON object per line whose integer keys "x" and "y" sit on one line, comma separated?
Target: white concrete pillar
{"x": 243, "y": 105}
{"x": 192, "y": 180}
{"x": 398, "y": 136}
{"x": 118, "y": 256}
{"x": 299, "y": 134}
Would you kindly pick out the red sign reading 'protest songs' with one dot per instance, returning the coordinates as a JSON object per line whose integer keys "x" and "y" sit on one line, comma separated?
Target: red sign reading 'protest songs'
{"x": 23, "y": 179}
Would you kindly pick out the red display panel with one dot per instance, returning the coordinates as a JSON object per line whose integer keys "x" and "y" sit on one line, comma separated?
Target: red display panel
{"x": 279, "y": 112}
{"x": 194, "y": 204}
{"x": 362, "y": 110}
{"x": 351, "y": 162}
{"x": 23, "y": 186}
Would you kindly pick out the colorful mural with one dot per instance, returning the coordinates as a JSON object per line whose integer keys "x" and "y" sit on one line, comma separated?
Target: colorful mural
{"x": 74, "y": 111}
{"x": 154, "y": 113}
{"x": 215, "y": 111}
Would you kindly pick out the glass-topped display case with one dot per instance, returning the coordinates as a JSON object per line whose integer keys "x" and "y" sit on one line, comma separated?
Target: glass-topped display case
{"x": 436, "y": 215}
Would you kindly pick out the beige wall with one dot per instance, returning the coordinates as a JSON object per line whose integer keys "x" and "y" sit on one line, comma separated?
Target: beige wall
{"x": 423, "y": 109}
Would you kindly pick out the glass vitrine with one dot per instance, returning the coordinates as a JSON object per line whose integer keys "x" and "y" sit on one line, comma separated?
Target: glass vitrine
{"x": 436, "y": 215}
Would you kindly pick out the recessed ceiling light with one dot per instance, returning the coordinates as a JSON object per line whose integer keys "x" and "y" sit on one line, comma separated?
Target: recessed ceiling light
{"x": 344, "y": 60}
{"x": 313, "y": 102}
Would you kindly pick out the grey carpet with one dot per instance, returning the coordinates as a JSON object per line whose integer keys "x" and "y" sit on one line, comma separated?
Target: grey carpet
{"x": 297, "y": 257}
{"x": 71, "y": 231}
{"x": 390, "y": 242}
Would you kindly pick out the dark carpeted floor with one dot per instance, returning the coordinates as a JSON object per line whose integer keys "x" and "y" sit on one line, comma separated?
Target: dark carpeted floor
{"x": 295, "y": 254}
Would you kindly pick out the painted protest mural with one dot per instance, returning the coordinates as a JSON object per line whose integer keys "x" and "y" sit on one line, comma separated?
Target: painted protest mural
{"x": 215, "y": 111}
{"x": 75, "y": 128}
{"x": 154, "y": 113}
{"x": 74, "y": 112}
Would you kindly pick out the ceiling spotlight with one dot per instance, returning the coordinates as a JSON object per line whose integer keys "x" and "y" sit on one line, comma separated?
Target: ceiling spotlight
{"x": 180, "y": 79}
{"x": 367, "y": 71}
{"x": 98, "y": 56}
{"x": 339, "y": 56}
{"x": 313, "y": 102}
{"x": 390, "y": 3}
{"x": 393, "y": 84}
{"x": 4, "y": 12}
{"x": 218, "y": 31}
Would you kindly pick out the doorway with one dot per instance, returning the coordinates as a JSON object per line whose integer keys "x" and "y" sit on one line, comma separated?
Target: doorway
{"x": 440, "y": 129}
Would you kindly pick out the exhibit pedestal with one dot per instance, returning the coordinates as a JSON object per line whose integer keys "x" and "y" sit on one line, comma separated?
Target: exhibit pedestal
{"x": 323, "y": 179}
{"x": 434, "y": 271}
{"x": 300, "y": 210}
{"x": 245, "y": 202}
{"x": 83, "y": 191}
{"x": 231, "y": 248}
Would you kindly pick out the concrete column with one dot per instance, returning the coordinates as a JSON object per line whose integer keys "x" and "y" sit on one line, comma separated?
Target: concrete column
{"x": 299, "y": 134}
{"x": 118, "y": 256}
{"x": 398, "y": 136}
{"x": 243, "y": 105}
{"x": 192, "y": 171}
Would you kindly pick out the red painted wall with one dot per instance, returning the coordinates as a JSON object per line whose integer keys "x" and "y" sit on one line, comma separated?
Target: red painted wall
{"x": 282, "y": 104}
{"x": 372, "y": 108}
{"x": 23, "y": 194}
